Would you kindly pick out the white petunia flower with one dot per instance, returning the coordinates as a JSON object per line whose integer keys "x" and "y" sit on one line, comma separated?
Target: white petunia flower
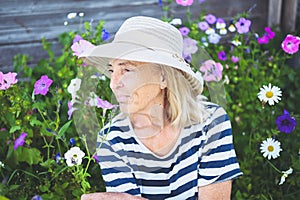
{"x": 285, "y": 174}
{"x": 74, "y": 156}
{"x": 1, "y": 164}
{"x": 269, "y": 94}
{"x": 176, "y": 21}
{"x": 74, "y": 87}
{"x": 270, "y": 148}
{"x": 71, "y": 15}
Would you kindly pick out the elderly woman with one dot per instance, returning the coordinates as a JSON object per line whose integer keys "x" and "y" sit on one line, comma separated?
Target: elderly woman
{"x": 167, "y": 142}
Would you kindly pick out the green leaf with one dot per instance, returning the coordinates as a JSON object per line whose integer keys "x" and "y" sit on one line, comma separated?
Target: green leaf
{"x": 64, "y": 128}
{"x": 14, "y": 128}
{"x": 31, "y": 156}
{"x": 35, "y": 121}
{"x": 3, "y": 198}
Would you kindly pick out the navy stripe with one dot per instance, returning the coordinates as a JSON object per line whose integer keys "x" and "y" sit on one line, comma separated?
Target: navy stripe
{"x": 114, "y": 128}
{"x": 166, "y": 170}
{"x": 119, "y": 181}
{"x": 220, "y": 149}
{"x": 135, "y": 191}
{"x": 219, "y": 135}
{"x": 218, "y": 164}
{"x": 185, "y": 187}
{"x": 106, "y": 171}
{"x": 172, "y": 179}
{"x": 230, "y": 174}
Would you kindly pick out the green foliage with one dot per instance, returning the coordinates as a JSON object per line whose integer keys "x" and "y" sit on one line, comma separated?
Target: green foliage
{"x": 252, "y": 120}
{"x": 32, "y": 169}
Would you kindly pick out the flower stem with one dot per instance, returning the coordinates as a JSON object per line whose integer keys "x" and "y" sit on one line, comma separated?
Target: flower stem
{"x": 274, "y": 167}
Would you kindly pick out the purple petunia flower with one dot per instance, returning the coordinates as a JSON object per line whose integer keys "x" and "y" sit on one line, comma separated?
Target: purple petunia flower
{"x": 96, "y": 158}
{"x": 37, "y": 197}
{"x": 160, "y": 2}
{"x": 105, "y": 35}
{"x": 203, "y": 26}
{"x": 184, "y": 31}
{"x": 20, "y": 140}
{"x": 222, "y": 55}
{"x": 285, "y": 122}
{"x": 243, "y": 25}
{"x": 72, "y": 142}
{"x": 290, "y": 44}
{"x": 77, "y": 38}
{"x": 58, "y": 158}
{"x": 211, "y": 19}
{"x": 42, "y": 85}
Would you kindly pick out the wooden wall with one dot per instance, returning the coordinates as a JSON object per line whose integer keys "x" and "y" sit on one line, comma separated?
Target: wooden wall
{"x": 24, "y": 22}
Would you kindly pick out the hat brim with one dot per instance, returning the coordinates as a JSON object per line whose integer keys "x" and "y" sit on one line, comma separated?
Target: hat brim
{"x": 101, "y": 55}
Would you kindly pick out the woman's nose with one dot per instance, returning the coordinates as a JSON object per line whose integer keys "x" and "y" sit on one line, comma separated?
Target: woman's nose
{"x": 115, "y": 80}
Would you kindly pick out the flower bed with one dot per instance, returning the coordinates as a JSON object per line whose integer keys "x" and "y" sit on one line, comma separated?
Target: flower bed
{"x": 47, "y": 147}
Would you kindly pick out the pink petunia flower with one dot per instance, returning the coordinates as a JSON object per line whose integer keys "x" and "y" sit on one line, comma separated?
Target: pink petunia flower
{"x": 20, "y": 140}
{"x": 42, "y": 85}
{"x": 263, "y": 40}
{"x": 8, "y": 79}
{"x": 290, "y": 44}
{"x": 243, "y": 25}
{"x": 81, "y": 46}
{"x": 235, "y": 59}
{"x": 212, "y": 71}
{"x": 104, "y": 104}
{"x": 270, "y": 34}
{"x": 185, "y": 2}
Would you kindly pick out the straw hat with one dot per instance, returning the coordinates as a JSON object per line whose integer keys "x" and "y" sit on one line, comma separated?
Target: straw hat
{"x": 144, "y": 39}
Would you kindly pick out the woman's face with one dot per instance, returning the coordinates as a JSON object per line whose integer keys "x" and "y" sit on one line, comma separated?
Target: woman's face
{"x": 136, "y": 85}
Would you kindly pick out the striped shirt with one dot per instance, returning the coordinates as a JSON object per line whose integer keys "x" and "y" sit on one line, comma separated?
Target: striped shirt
{"x": 204, "y": 154}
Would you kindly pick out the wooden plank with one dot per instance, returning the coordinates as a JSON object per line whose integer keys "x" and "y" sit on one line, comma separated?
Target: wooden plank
{"x": 274, "y": 12}
{"x": 289, "y": 15}
{"x": 24, "y": 23}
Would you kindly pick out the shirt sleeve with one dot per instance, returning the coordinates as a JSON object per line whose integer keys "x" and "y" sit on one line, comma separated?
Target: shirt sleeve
{"x": 116, "y": 173}
{"x": 217, "y": 157}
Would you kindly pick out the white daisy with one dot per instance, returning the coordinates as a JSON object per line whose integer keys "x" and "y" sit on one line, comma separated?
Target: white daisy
{"x": 74, "y": 156}
{"x": 270, "y": 148}
{"x": 285, "y": 174}
{"x": 269, "y": 94}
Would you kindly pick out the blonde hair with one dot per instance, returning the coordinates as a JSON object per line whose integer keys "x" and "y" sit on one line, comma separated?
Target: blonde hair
{"x": 184, "y": 102}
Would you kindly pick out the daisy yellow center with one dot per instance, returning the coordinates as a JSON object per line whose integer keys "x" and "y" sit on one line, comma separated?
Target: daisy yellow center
{"x": 269, "y": 94}
{"x": 270, "y": 148}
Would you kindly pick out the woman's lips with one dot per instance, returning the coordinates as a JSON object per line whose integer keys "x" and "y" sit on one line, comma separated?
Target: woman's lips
{"x": 123, "y": 98}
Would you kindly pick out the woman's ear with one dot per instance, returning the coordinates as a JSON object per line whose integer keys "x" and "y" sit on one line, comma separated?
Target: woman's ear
{"x": 163, "y": 81}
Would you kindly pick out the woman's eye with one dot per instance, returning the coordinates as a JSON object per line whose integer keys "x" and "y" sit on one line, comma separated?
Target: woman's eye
{"x": 128, "y": 70}
{"x": 110, "y": 71}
